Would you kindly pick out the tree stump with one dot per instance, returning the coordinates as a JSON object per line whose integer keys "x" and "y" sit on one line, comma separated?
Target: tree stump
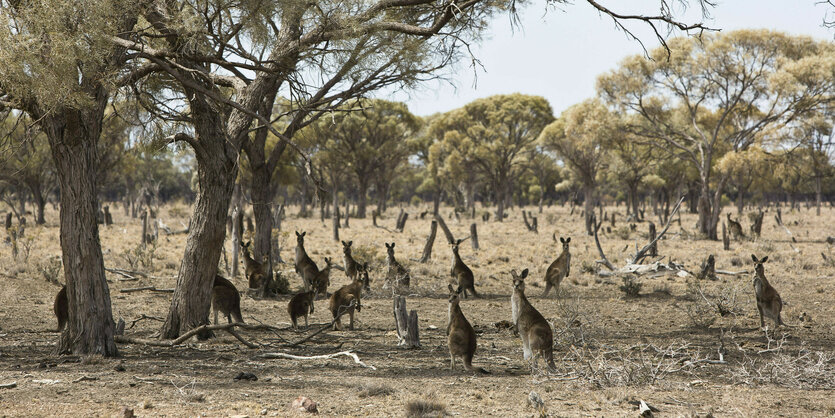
{"x": 374, "y": 217}
{"x": 726, "y": 241}
{"x": 474, "y": 236}
{"x": 145, "y": 236}
{"x": 427, "y": 249}
{"x": 108, "y": 218}
{"x": 653, "y": 250}
{"x": 708, "y": 269}
{"x": 407, "y": 326}
{"x": 401, "y": 223}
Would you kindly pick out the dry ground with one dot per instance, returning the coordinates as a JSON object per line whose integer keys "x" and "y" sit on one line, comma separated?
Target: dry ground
{"x": 612, "y": 350}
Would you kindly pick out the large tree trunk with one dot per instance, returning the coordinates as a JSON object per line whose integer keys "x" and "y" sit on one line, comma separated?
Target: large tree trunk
{"x": 40, "y": 202}
{"x": 362, "y": 199}
{"x": 500, "y": 202}
{"x": 73, "y": 137}
{"x": 740, "y": 201}
{"x": 262, "y": 197}
{"x": 217, "y": 169}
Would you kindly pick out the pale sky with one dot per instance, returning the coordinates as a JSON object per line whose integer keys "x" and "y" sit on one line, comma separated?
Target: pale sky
{"x": 558, "y": 54}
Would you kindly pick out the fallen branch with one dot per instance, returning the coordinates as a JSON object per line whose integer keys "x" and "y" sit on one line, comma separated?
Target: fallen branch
{"x": 183, "y": 338}
{"x": 642, "y": 253}
{"x": 342, "y": 310}
{"x": 8, "y": 385}
{"x": 142, "y": 318}
{"x": 151, "y": 288}
{"x": 321, "y": 357}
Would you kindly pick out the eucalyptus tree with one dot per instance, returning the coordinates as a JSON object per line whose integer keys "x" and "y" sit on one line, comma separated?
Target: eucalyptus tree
{"x": 27, "y": 162}
{"x": 493, "y": 136}
{"x": 745, "y": 170}
{"x": 715, "y": 94}
{"x": 814, "y": 137}
{"x": 579, "y": 137}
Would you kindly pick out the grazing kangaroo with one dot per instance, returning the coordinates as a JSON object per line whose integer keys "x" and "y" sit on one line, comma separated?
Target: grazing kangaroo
{"x": 61, "y": 308}
{"x": 323, "y": 278}
{"x": 346, "y": 300}
{"x": 558, "y": 270}
{"x": 255, "y": 271}
{"x": 301, "y": 305}
{"x": 768, "y": 300}
{"x": 735, "y": 227}
{"x": 226, "y": 300}
{"x": 536, "y": 334}
{"x": 305, "y": 267}
{"x": 398, "y": 277}
{"x": 461, "y": 273}
{"x": 461, "y": 337}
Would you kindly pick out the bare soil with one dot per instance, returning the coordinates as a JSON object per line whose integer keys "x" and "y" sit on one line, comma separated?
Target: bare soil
{"x": 612, "y": 350}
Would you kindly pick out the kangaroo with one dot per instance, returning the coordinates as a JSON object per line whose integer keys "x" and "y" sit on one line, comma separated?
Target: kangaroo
{"x": 301, "y": 305}
{"x": 226, "y": 300}
{"x": 558, "y": 270}
{"x": 323, "y": 278}
{"x": 305, "y": 267}
{"x": 461, "y": 273}
{"x": 346, "y": 300}
{"x": 61, "y": 308}
{"x": 255, "y": 271}
{"x": 397, "y": 276}
{"x": 735, "y": 227}
{"x": 769, "y": 303}
{"x": 536, "y": 334}
{"x": 461, "y": 337}
{"x": 351, "y": 265}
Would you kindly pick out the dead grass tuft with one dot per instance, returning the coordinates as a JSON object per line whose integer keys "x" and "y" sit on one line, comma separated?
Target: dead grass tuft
{"x": 373, "y": 390}
{"x": 423, "y": 408}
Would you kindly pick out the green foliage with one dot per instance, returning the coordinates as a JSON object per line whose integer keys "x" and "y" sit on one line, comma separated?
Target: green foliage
{"x": 631, "y": 286}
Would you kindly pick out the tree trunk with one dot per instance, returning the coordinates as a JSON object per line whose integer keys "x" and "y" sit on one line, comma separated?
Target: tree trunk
{"x": 818, "y": 195}
{"x": 500, "y": 203}
{"x": 474, "y": 236}
{"x": 237, "y": 228}
{"x": 740, "y": 201}
{"x": 588, "y": 208}
{"x": 436, "y": 203}
{"x": 430, "y": 241}
{"x": 191, "y": 301}
{"x": 362, "y": 199}
{"x": 335, "y": 194}
{"x": 73, "y": 137}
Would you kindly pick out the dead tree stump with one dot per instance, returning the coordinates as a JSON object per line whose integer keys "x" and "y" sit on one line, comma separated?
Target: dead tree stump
{"x": 653, "y": 249}
{"x": 401, "y": 223}
{"x": 427, "y": 249}
{"x": 474, "y": 236}
{"x": 708, "y": 269}
{"x": 145, "y": 237}
{"x": 726, "y": 240}
{"x": 108, "y": 218}
{"x": 407, "y": 326}
{"x": 374, "y": 217}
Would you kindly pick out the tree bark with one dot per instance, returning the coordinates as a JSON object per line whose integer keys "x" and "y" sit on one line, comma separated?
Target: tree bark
{"x": 474, "y": 236}
{"x": 73, "y": 136}
{"x": 427, "y": 249}
{"x": 588, "y": 208}
{"x": 217, "y": 169}
{"x": 818, "y": 195}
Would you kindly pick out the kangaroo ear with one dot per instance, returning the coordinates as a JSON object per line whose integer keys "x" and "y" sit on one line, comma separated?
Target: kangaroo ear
{"x": 392, "y": 245}
{"x": 298, "y": 234}
{"x": 524, "y": 274}
{"x": 753, "y": 257}
{"x": 344, "y": 243}
{"x": 304, "y": 233}
{"x": 365, "y": 266}
{"x": 451, "y": 290}
{"x": 460, "y": 289}
{"x": 764, "y": 259}
{"x": 562, "y": 240}
{"x": 568, "y": 240}
{"x": 513, "y": 273}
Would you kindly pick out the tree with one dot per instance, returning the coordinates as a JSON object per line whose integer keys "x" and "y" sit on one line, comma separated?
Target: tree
{"x": 579, "y": 137}
{"x": 28, "y": 164}
{"x": 744, "y": 169}
{"x": 630, "y": 163}
{"x": 494, "y": 134}
{"x": 716, "y": 94}
{"x": 814, "y": 137}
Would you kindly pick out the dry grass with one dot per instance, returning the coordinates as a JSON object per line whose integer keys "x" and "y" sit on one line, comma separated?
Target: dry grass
{"x": 664, "y": 346}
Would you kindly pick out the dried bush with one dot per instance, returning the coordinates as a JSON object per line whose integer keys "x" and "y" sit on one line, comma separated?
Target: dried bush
{"x": 631, "y": 286}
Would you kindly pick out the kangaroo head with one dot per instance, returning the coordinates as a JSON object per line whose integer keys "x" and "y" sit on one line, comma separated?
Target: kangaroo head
{"x": 455, "y": 246}
{"x": 454, "y": 295}
{"x": 363, "y": 276}
{"x": 519, "y": 279}
{"x": 390, "y": 249}
{"x": 329, "y": 262}
{"x": 565, "y": 243}
{"x": 265, "y": 258}
{"x": 758, "y": 268}
{"x": 346, "y": 247}
{"x": 300, "y": 237}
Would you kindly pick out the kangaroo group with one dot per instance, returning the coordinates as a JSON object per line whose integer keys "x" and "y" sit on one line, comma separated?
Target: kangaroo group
{"x": 533, "y": 329}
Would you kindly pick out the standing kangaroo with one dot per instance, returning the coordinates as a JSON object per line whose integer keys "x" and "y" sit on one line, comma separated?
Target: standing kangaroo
{"x": 768, "y": 300}
{"x": 536, "y": 334}
{"x": 305, "y": 267}
{"x": 461, "y": 337}
{"x": 61, "y": 308}
{"x": 226, "y": 300}
{"x": 255, "y": 271}
{"x": 461, "y": 273}
{"x": 558, "y": 270}
{"x": 735, "y": 228}
{"x": 397, "y": 276}
{"x": 346, "y": 300}
{"x": 351, "y": 265}
{"x": 301, "y": 305}
{"x": 323, "y": 278}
